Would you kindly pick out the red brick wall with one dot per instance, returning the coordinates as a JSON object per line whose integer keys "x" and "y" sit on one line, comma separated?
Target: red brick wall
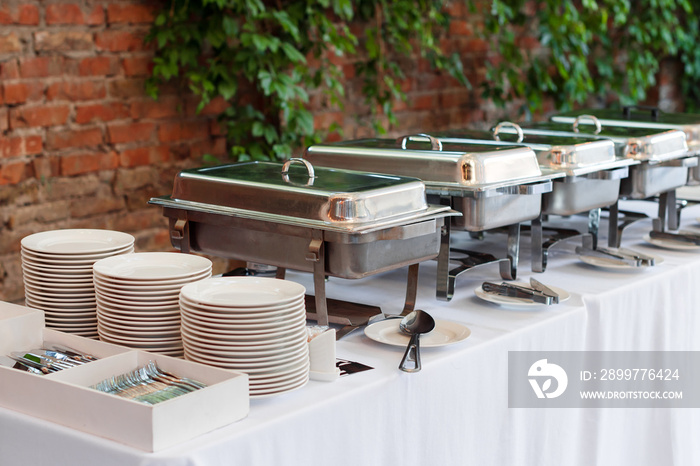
{"x": 81, "y": 145}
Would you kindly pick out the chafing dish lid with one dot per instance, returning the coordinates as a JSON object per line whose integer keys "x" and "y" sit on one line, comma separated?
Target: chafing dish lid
{"x": 642, "y": 117}
{"x": 301, "y": 191}
{"x": 473, "y": 167}
{"x": 571, "y": 155}
{"x": 643, "y": 144}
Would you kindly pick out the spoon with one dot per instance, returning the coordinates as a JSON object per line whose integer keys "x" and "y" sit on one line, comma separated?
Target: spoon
{"x": 414, "y": 324}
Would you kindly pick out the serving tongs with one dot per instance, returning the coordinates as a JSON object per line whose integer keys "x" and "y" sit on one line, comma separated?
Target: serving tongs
{"x": 621, "y": 256}
{"x": 539, "y": 293}
{"x": 682, "y": 237}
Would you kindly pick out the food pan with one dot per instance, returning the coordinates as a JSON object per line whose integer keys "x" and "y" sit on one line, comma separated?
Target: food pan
{"x": 341, "y": 223}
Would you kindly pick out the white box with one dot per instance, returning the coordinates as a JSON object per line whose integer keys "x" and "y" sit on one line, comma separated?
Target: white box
{"x": 64, "y": 397}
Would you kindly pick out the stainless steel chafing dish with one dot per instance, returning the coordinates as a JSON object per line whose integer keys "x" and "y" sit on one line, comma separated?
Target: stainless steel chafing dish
{"x": 491, "y": 186}
{"x": 592, "y": 174}
{"x": 341, "y": 223}
{"x": 646, "y": 117}
{"x": 664, "y": 161}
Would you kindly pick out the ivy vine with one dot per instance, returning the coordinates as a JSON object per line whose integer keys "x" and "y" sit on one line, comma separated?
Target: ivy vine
{"x": 611, "y": 49}
{"x": 267, "y": 58}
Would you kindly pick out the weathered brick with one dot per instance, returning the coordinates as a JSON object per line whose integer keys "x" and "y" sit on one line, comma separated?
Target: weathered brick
{"x": 4, "y": 119}
{"x": 63, "y": 139}
{"x": 215, "y": 107}
{"x": 130, "y": 13}
{"x": 99, "y": 205}
{"x": 144, "y": 156}
{"x": 20, "y": 145}
{"x": 63, "y": 41}
{"x": 9, "y": 69}
{"x": 120, "y": 41}
{"x": 20, "y": 92}
{"x": 43, "y": 213}
{"x": 28, "y": 15}
{"x": 130, "y": 132}
{"x": 6, "y": 15}
{"x": 76, "y": 164}
{"x": 181, "y": 130}
{"x": 64, "y": 13}
{"x": 45, "y": 167}
{"x": 98, "y": 66}
{"x": 100, "y": 112}
{"x": 131, "y": 179}
{"x": 85, "y": 186}
{"x": 73, "y": 91}
{"x": 12, "y": 172}
{"x": 22, "y": 117}
{"x": 10, "y": 43}
{"x": 41, "y": 67}
{"x": 137, "y": 66}
{"x": 96, "y": 16}
{"x": 127, "y": 88}
{"x": 164, "y": 107}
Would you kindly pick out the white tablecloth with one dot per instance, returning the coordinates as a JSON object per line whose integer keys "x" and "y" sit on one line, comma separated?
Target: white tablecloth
{"x": 455, "y": 411}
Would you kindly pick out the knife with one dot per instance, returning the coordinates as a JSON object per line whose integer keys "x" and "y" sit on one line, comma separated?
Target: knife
{"x": 515, "y": 291}
{"x": 541, "y": 287}
{"x": 680, "y": 237}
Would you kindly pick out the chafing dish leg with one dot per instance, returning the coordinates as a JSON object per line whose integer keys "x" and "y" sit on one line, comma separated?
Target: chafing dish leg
{"x": 281, "y": 273}
{"x": 317, "y": 255}
{"x": 593, "y": 226}
{"x": 411, "y": 290}
{"x": 614, "y": 233}
{"x": 538, "y": 253}
{"x": 445, "y": 285}
{"x": 509, "y": 267}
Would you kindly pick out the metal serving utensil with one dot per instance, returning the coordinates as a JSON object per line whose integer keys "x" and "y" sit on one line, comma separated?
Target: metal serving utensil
{"x": 517, "y": 291}
{"x": 609, "y": 255}
{"x": 414, "y": 324}
{"x": 689, "y": 238}
{"x": 542, "y": 288}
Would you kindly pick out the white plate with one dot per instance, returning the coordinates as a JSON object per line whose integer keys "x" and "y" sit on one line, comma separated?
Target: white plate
{"x": 234, "y": 309}
{"x": 245, "y": 292}
{"x": 612, "y": 264}
{"x": 170, "y": 301}
{"x": 234, "y": 315}
{"x": 148, "y": 285}
{"x": 77, "y": 241}
{"x": 266, "y": 393}
{"x": 299, "y": 357}
{"x": 76, "y": 257}
{"x": 283, "y": 337}
{"x": 519, "y": 302}
{"x": 445, "y": 333}
{"x": 670, "y": 244}
{"x": 69, "y": 262}
{"x": 260, "y": 361}
{"x": 252, "y": 350}
{"x": 157, "y": 266}
{"x": 226, "y": 327}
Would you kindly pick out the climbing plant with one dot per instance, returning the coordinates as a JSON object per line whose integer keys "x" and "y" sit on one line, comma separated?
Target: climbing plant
{"x": 606, "y": 48}
{"x": 267, "y": 58}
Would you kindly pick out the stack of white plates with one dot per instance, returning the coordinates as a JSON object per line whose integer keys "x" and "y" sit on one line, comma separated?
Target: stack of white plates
{"x": 250, "y": 324}
{"x": 57, "y": 274}
{"x": 137, "y": 298}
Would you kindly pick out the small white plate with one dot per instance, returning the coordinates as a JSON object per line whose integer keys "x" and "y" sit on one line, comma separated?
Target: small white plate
{"x": 612, "y": 264}
{"x": 77, "y": 241}
{"x": 152, "y": 266}
{"x": 445, "y": 333}
{"x": 245, "y": 292}
{"x": 670, "y": 244}
{"x": 518, "y": 302}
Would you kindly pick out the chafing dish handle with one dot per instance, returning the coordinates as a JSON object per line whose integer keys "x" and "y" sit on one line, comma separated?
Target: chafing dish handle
{"x": 508, "y": 124}
{"x": 306, "y": 163}
{"x": 530, "y": 188}
{"x": 627, "y": 111}
{"x": 435, "y": 143}
{"x": 596, "y": 122}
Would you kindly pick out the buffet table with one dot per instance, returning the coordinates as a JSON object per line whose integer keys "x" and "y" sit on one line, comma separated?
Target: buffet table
{"x": 455, "y": 411}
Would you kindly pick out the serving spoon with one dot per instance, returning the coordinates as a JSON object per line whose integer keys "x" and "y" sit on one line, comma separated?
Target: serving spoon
{"x": 414, "y": 324}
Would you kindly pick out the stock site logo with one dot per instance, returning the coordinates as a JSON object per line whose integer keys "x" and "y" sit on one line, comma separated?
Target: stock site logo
{"x": 542, "y": 373}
